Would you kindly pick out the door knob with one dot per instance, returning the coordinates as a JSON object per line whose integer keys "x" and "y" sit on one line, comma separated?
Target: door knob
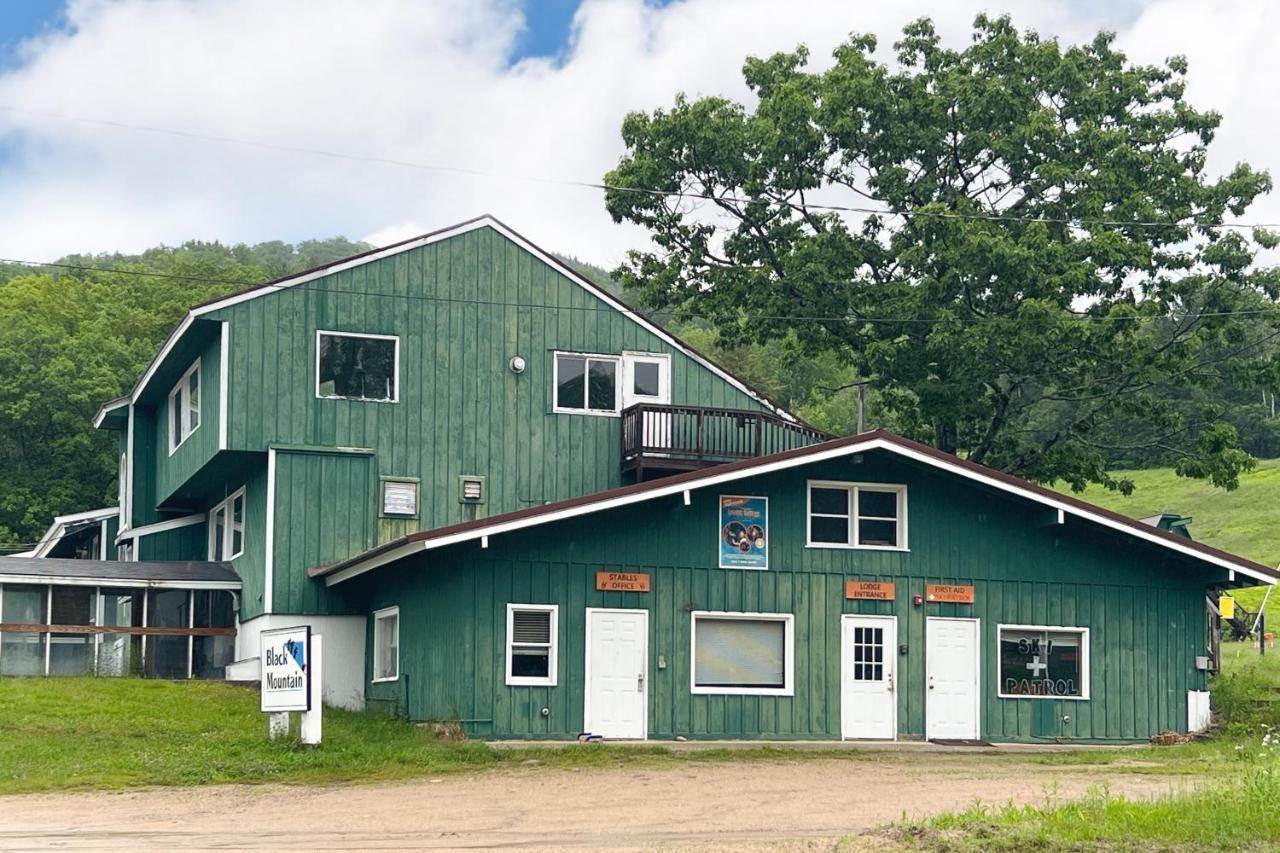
{"x": 640, "y": 681}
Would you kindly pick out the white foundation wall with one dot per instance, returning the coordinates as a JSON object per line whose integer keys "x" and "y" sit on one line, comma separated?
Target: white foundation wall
{"x": 344, "y": 661}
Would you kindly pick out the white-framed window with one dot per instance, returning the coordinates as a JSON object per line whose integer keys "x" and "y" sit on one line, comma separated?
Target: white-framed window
{"x": 532, "y": 640}
{"x": 226, "y": 527}
{"x": 646, "y": 378}
{"x": 357, "y": 366}
{"x": 586, "y": 384}
{"x": 744, "y": 654}
{"x": 1042, "y": 662}
{"x": 184, "y": 407}
{"x": 400, "y": 498}
{"x": 857, "y": 515}
{"x": 386, "y": 644}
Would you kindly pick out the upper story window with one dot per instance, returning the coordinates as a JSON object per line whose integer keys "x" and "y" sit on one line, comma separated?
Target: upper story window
{"x": 587, "y": 384}
{"x": 646, "y": 378}
{"x": 184, "y": 407}
{"x": 351, "y": 366}
{"x": 857, "y": 515}
{"x": 226, "y": 528}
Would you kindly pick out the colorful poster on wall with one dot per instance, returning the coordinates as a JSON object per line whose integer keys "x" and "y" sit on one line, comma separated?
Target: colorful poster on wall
{"x": 744, "y": 537}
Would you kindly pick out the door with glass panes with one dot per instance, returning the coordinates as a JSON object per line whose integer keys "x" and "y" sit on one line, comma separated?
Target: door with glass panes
{"x": 868, "y": 706}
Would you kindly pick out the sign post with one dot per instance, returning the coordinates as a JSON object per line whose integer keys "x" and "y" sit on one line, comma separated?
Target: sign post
{"x": 291, "y": 680}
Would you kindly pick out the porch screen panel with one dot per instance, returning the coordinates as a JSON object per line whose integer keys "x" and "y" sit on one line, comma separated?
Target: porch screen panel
{"x": 22, "y": 653}
{"x": 72, "y": 654}
{"x": 740, "y": 653}
{"x": 120, "y": 654}
{"x": 166, "y": 657}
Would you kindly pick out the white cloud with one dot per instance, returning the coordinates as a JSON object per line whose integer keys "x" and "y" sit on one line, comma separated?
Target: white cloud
{"x": 431, "y": 83}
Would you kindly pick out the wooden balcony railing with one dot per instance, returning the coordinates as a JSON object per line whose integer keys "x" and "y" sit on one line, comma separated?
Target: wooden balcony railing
{"x": 687, "y": 437}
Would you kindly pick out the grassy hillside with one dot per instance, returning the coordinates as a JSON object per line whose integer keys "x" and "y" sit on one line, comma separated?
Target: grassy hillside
{"x": 1245, "y": 522}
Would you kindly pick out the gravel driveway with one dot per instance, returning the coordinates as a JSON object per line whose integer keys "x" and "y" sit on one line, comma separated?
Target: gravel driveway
{"x": 797, "y": 805}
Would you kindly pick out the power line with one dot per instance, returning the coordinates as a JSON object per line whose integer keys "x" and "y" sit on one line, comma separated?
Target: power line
{"x": 610, "y": 309}
{"x": 597, "y": 185}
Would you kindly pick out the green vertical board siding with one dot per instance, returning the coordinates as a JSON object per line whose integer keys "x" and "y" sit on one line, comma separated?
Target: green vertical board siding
{"x": 324, "y": 512}
{"x": 190, "y": 542}
{"x": 1144, "y": 609}
{"x": 172, "y": 470}
{"x": 462, "y": 308}
{"x": 143, "y": 463}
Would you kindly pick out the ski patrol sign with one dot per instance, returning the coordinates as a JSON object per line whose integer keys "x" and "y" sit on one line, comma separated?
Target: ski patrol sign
{"x": 286, "y": 669}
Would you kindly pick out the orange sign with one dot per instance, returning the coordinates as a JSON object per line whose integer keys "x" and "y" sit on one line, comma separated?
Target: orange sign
{"x": 622, "y": 581}
{"x": 873, "y": 590}
{"x": 952, "y": 593}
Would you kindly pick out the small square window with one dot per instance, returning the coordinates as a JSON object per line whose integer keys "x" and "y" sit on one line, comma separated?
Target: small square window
{"x": 399, "y": 497}
{"x": 386, "y": 644}
{"x": 857, "y": 515}
{"x": 531, "y": 644}
{"x": 586, "y": 383}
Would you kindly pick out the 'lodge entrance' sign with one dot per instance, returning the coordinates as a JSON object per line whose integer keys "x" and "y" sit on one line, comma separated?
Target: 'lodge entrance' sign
{"x": 622, "y": 581}
{"x": 951, "y": 593}
{"x": 869, "y": 590}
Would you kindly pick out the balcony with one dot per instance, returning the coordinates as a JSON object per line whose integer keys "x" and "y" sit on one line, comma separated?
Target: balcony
{"x": 658, "y": 440}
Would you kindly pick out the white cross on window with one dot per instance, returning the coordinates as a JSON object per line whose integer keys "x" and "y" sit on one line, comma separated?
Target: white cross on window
{"x": 1037, "y": 668}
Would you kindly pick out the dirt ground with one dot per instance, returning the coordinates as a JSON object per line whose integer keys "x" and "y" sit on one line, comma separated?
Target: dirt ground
{"x": 802, "y": 805}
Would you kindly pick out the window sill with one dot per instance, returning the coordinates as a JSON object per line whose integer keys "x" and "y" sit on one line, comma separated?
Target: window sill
{"x": 595, "y": 413}
{"x": 357, "y": 399}
{"x": 385, "y": 680}
{"x": 742, "y": 691}
{"x": 836, "y": 546}
{"x": 531, "y": 682}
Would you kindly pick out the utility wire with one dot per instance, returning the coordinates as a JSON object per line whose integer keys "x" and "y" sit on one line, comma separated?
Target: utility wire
{"x": 628, "y": 309}
{"x": 597, "y": 185}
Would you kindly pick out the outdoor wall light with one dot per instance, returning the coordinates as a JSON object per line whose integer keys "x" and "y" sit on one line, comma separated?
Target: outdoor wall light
{"x": 917, "y": 600}
{"x": 517, "y": 364}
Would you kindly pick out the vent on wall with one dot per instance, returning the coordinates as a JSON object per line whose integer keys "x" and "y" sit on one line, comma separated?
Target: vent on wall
{"x": 472, "y": 489}
{"x": 399, "y": 497}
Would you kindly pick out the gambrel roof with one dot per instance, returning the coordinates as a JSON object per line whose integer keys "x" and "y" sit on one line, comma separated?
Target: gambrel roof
{"x": 882, "y": 440}
{"x": 485, "y": 221}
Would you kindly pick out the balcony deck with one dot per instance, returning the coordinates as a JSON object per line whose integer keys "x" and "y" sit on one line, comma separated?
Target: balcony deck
{"x": 663, "y": 439}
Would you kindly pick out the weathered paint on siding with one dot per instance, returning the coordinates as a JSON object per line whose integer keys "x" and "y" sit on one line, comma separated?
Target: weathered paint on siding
{"x": 324, "y": 512}
{"x": 462, "y": 308}
{"x": 1145, "y": 612}
{"x": 172, "y": 471}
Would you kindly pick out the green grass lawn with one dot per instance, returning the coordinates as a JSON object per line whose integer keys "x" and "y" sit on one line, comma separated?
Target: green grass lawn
{"x": 1245, "y": 521}
{"x": 104, "y": 733}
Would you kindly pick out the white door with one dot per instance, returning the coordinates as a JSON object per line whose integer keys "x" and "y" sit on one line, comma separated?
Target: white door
{"x": 868, "y": 708}
{"x": 615, "y": 703}
{"x": 951, "y": 664}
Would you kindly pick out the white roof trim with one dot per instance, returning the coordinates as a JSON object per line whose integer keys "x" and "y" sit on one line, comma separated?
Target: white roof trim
{"x": 485, "y": 221}
{"x": 159, "y": 527}
{"x": 60, "y": 580}
{"x": 109, "y": 406}
{"x": 844, "y": 449}
{"x": 58, "y": 529}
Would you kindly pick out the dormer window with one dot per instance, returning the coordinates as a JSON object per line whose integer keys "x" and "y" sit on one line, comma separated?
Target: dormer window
{"x": 351, "y": 366}
{"x": 184, "y": 407}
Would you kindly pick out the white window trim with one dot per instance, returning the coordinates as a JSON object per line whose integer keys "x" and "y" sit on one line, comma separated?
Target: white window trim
{"x": 1085, "y": 653}
{"x": 788, "y": 664}
{"x": 180, "y": 396}
{"x": 395, "y": 397}
{"x": 553, "y": 654}
{"x": 227, "y": 537}
{"x": 378, "y": 617}
{"x": 618, "y": 386}
{"x": 852, "y": 487}
{"x": 629, "y": 362}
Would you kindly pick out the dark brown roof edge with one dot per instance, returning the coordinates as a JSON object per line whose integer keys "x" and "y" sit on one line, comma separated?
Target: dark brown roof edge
{"x": 801, "y": 452}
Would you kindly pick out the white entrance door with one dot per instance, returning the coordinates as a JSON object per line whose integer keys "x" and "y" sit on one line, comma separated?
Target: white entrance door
{"x": 615, "y": 702}
{"x": 868, "y": 708}
{"x": 951, "y": 664}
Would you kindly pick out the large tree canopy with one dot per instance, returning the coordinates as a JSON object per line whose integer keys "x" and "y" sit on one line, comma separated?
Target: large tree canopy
{"x": 1043, "y": 269}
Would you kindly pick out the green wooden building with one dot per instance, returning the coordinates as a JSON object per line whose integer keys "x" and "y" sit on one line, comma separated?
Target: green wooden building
{"x": 509, "y": 502}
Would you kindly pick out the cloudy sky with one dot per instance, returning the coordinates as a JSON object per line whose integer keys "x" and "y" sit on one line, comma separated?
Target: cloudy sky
{"x": 526, "y": 92}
